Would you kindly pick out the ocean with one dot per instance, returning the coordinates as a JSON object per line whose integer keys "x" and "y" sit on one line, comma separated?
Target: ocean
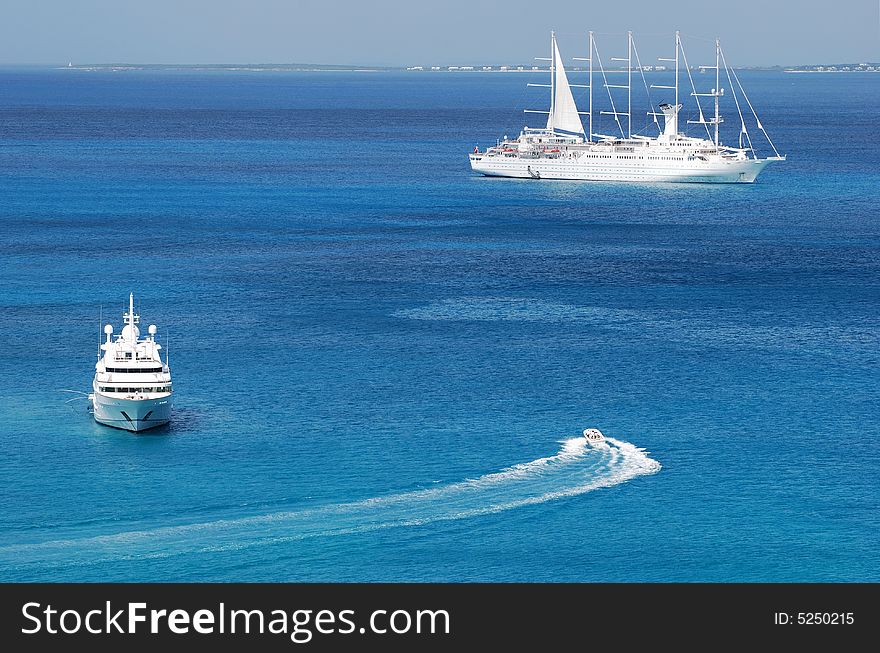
{"x": 382, "y": 362}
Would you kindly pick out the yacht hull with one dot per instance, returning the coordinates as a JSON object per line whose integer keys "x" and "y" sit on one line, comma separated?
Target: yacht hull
{"x": 720, "y": 172}
{"x": 131, "y": 414}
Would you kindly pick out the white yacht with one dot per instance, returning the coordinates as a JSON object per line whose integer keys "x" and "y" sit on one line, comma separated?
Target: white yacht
{"x": 132, "y": 387}
{"x": 564, "y": 150}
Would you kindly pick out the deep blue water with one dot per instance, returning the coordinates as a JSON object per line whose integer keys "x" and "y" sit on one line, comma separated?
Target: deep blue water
{"x": 380, "y": 359}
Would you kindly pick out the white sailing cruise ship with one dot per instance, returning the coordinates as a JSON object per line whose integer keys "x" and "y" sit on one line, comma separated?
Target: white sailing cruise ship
{"x": 564, "y": 150}
{"x": 132, "y": 387}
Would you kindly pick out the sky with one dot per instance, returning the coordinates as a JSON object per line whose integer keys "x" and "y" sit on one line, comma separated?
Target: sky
{"x": 443, "y": 32}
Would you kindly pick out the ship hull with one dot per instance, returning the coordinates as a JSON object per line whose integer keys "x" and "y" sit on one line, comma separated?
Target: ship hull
{"x": 131, "y": 414}
{"x": 713, "y": 172}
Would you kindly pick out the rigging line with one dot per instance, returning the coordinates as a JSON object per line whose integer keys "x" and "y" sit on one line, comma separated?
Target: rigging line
{"x": 524, "y": 91}
{"x": 696, "y": 97}
{"x": 641, "y": 34}
{"x": 699, "y": 38}
{"x": 738, "y": 109}
{"x": 610, "y": 97}
{"x": 645, "y": 82}
{"x": 749, "y": 102}
{"x": 578, "y": 35}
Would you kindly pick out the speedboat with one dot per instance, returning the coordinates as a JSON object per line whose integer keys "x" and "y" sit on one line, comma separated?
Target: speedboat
{"x": 594, "y": 436}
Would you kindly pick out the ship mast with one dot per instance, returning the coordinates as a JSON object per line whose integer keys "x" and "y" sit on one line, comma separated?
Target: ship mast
{"x": 628, "y": 87}
{"x": 715, "y": 94}
{"x": 552, "y": 73}
{"x": 717, "y": 86}
{"x": 131, "y": 321}
{"x": 629, "y": 82}
{"x": 589, "y": 85}
{"x": 677, "y": 50}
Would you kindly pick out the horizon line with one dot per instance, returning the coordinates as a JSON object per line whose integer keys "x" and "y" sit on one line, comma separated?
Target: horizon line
{"x": 353, "y": 66}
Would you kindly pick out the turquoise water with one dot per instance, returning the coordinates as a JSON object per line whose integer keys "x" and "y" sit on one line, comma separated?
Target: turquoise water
{"x": 382, "y": 362}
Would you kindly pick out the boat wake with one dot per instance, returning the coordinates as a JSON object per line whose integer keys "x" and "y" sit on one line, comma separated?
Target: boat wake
{"x": 577, "y": 468}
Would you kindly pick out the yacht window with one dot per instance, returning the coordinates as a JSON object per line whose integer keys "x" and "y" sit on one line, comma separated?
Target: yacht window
{"x": 139, "y": 370}
{"x": 134, "y": 370}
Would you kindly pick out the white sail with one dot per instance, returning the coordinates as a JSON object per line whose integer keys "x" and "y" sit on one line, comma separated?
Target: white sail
{"x": 563, "y": 117}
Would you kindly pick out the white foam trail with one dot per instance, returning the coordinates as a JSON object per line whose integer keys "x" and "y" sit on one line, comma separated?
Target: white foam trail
{"x": 577, "y": 468}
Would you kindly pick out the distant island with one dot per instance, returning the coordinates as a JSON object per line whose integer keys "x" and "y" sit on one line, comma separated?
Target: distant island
{"x": 255, "y": 67}
{"x": 837, "y": 68}
{"x": 302, "y": 67}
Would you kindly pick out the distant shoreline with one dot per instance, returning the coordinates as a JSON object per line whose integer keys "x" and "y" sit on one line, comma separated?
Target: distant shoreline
{"x": 222, "y": 68}
{"x": 326, "y": 68}
{"x": 831, "y": 71}
{"x": 319, "y": 69}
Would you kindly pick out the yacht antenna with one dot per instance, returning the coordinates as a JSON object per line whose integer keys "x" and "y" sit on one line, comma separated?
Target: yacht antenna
{"x": 100, "y": 328}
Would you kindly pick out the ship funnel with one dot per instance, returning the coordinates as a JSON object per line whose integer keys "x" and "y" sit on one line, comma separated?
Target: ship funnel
{"x": 670, "y": 115}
